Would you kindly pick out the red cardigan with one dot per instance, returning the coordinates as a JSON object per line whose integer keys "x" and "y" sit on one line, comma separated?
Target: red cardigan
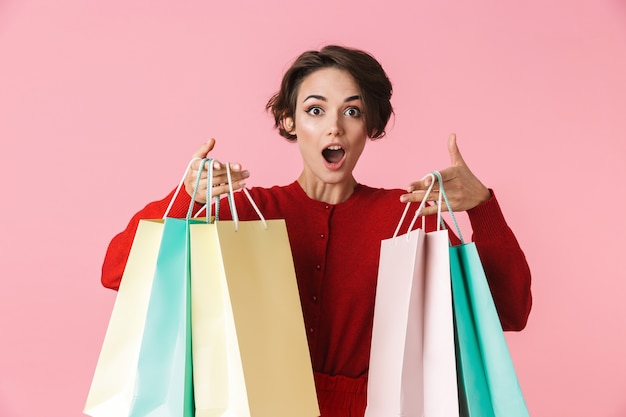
{"x": 336, "y": 250}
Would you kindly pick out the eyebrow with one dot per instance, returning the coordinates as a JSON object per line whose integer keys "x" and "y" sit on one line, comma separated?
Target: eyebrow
{"x": 322, "y": 98}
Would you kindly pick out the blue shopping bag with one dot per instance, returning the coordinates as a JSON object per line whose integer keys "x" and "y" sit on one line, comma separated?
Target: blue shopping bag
{"x": 487, "y": 382}
{"x": 164, "y": 381}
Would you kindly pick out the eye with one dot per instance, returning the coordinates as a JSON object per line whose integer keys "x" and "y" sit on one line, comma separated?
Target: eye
{"x": 315, "y": 111}
{"x": 352, "y": 112}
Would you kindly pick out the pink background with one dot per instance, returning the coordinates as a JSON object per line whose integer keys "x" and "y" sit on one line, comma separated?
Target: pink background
{"x": 103, "y": 102}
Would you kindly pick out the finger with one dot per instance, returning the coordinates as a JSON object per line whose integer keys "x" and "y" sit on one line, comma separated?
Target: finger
{"x": 224, "y": 188}
{"x": 418, "y": 196}
{"x": 204, "y": 150}
{"x": 419, "y": 185}
{"x": 413, "y": 197}
{"x": 196, "y": 170}
{"x": 235, "y": 177}
{"x": 235, "y": 166}
{"x": 221, "y": 167}
{"x": 428, "y": 209}
{"x": 222, "y": 177}
{"x": 433, "y": 209}
{"x": 455, "y": 153}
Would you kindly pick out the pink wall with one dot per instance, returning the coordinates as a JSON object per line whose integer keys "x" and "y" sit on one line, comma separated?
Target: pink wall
{"x": 102, "y": 104}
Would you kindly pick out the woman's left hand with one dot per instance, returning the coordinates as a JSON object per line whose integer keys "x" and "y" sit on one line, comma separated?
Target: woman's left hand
{"x": 463, "y": 189}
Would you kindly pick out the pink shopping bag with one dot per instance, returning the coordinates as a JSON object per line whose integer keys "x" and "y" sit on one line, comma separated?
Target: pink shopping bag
{"x": 412, "y": 362}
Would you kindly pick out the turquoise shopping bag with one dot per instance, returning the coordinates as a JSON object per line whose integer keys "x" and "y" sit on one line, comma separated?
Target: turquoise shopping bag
{"x": 164, "y": 381}
{"x": 164, "y": 378}
{"x": 487, "y": 382}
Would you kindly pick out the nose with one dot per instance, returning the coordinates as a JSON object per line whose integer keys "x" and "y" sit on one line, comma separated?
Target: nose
{"x": 335, "y": 127}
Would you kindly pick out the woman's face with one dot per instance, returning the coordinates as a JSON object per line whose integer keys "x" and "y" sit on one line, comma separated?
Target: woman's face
{"x": 329, "y": 125}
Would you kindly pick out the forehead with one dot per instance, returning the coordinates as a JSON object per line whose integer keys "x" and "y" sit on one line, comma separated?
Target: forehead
{"x": 329, "y": 83}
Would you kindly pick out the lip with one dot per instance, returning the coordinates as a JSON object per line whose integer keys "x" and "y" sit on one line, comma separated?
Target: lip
{"x": 334, "y": 166}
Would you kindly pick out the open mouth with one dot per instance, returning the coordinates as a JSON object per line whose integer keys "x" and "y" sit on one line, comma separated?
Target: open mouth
{"x": 333, "y": 154}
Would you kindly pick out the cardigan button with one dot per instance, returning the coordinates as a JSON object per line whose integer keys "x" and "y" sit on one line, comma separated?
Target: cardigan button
{"x": 311, "y": 329}
{"x": 314, "y": 298}
{"x": 318, "y": 266}
{"x": 322, "y": 236}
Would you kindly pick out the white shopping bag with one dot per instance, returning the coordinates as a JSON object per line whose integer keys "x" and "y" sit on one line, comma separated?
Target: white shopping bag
{"x": 412, "y": 362}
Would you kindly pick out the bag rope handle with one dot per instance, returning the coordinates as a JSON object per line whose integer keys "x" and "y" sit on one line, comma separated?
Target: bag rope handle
{"x": 435, "y": 176}
{"x": 231, "y": 202}
{"x": 442, "y": 192}
{"x": 231, "y": 199}
{"x": 419, "y": 209}
{"x": 208, "y": 163}
{"x": 180, "y": 185}
{"x": 233, "y": 206}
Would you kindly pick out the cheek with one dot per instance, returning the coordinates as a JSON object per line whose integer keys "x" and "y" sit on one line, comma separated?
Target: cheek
{"x": 305, "y": 127}
{"x": 359, "y": 147}
{"x": 359, "y": 136}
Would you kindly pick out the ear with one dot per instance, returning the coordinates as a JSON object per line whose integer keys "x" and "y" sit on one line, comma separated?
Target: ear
{"x": 289, "y": 125}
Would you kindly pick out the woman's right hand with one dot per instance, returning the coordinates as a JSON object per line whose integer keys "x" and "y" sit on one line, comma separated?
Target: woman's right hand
{"x": 220, "y": 180}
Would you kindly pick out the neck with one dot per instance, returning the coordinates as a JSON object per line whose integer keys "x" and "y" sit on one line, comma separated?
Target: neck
{"x": 328, "y": 193}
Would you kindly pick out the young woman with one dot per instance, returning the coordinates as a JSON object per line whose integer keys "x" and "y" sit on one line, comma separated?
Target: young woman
{"x": 330, "y": 102}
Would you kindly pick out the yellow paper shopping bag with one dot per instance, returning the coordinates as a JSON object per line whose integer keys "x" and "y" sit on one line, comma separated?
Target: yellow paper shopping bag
{"x": 250, "y": 351}
{"x": 113, "y": 383}
{"x": 113, "y": 387}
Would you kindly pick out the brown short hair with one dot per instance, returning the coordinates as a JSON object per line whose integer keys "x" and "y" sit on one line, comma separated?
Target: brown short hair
{"x": 365, "y": 69}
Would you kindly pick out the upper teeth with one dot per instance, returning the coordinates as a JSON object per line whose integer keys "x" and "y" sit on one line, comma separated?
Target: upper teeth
{"x": 334, "y": 147}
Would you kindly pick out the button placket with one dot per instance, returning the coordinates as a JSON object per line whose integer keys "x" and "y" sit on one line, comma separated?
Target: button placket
{"x": 314, "y": 298}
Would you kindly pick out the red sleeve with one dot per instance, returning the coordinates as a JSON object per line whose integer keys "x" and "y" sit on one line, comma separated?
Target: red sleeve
{"x": 504, "y": 263}
{"x": 119, "y": 248}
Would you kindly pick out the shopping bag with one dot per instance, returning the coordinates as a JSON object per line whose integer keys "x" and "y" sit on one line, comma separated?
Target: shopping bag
{"x": 163, "y": 386}
{"x": 250, "y": 351}
{"x": 488, "y": 384}
{"x": 112, "y": 390}
{"x": 164, "y": 382}
{"x": 113, "y": 383}
{"x": 412, "y": 360}
{"x": 487, "y": 378}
